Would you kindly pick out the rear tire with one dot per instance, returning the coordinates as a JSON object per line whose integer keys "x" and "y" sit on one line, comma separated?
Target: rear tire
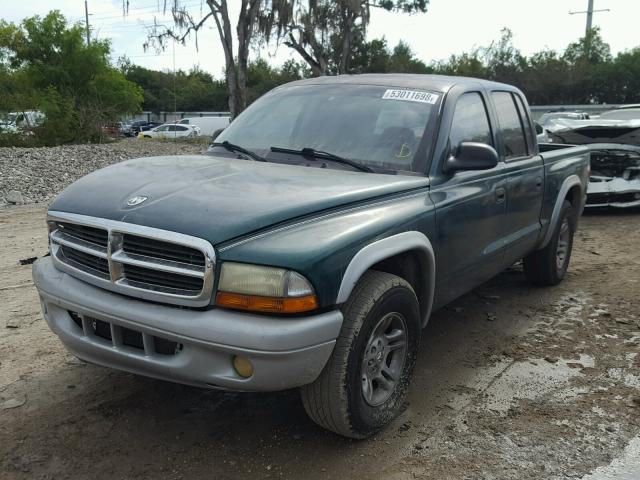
{"x": 548, "y": 266}
{"x": 364, "y": 384}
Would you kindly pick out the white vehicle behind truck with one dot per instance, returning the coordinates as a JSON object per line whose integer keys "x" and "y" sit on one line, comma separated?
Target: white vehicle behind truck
{"x": 207, "y": 125}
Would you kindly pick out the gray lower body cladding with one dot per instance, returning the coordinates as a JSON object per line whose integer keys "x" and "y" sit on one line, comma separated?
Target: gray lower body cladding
{"x": 194, "y": 347}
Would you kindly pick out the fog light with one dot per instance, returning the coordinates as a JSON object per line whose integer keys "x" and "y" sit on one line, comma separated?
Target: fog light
{"x": 243, "y": 366}
{"x": 637, "y": 196}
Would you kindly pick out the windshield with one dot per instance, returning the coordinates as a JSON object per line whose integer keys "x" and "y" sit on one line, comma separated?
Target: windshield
{"x": 380, "y": 127}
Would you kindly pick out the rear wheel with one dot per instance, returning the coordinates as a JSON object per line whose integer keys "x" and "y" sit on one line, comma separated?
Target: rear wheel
{"x": 548, "y": 266}
{"x": 363, "y": 386}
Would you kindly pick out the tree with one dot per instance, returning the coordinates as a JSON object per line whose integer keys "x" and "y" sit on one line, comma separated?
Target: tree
{"x": 235, "y": 63}
{"x": 589, "y": 49}
{"x": 324, "y": 32}
{"x": 47, "y": 66}
{"x": 376, "y": 57}
{"x": 503, "y": 60}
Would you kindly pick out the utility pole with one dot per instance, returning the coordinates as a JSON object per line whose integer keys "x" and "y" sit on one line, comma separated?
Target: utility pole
{"x": 86, "y": 24}
{"x": 589, "y": 11}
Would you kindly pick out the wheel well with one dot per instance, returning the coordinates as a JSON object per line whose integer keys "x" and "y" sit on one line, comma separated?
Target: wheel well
{"x": 573, "y": 196}
{"x": 412, "y": 266}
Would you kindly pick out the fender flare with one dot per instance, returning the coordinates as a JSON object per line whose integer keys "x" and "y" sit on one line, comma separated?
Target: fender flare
{"x": 568, "y": 183}
{"x": 385, "y": 248}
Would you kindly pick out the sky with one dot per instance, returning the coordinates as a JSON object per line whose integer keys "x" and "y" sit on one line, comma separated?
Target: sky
{"x": 449, "y": 27}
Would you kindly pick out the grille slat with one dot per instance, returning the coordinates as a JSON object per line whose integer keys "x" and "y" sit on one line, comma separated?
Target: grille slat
{"x": 135, "y": 260}
{"x": 161, "y": 279}
{"x": 86, "y": 260}
{"x": 163, "y": 250}
{"x": 88, "y": 234}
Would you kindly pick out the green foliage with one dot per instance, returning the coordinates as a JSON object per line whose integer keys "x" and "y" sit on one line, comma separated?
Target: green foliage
{"x": 585, "y": 73}
{"x": 327, "y": 34}
{"x": 376, "y": 57}
{"x": 164, "y": 91}
{"x": 199, "y": 91}
{"x": 45, "y": 65}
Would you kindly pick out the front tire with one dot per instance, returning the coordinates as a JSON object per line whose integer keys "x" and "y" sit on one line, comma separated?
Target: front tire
{"x": 364, "y": 384}
{"x": 548, "y": 266}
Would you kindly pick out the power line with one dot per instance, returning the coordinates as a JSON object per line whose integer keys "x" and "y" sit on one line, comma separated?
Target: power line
{"x": 139, "y": 11}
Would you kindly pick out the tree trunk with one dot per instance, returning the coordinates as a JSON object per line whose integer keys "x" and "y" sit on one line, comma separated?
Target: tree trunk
{"x": 248, "y": 14}
{"x": 221, "y": 17}
{"x": 236, "y": 73}
{"x": 345, "y": 53}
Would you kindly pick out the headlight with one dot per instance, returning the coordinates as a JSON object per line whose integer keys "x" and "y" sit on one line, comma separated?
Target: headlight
{"x": 264, "y": 289}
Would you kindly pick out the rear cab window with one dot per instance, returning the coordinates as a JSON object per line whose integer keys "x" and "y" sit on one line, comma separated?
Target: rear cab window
{"x": 514, "y": 143}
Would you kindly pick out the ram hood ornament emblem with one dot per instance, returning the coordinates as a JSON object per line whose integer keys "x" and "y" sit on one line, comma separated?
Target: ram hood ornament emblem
{"x": 133, "y": 201}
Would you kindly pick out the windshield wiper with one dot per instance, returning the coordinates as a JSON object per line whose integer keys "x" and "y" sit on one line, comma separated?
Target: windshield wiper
{"x": 232, "y": 147}
{"x": 312, "y": 153}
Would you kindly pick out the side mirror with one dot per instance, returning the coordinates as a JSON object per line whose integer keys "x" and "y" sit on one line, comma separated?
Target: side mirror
{"x": 217, "y": 133}
{"x": 472, "y": 156}
{"x": 539, "y": 129}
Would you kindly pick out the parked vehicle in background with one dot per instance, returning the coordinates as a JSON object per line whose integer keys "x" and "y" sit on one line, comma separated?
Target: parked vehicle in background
{"x": 615, "y": 176}
{"x": 310, "y": 245}
{"x": 207, "y": 125}
{"x": 114, "y": 129}
{"x": 133, "y": 128}
{"x": 629, "y": 105}
{"x": 548, "y": 117}
{"x": 614, "y": 143}
{"x": 621, "y": 114}
{"x": 16, "y": 122}
{"x": 170, "y": 130}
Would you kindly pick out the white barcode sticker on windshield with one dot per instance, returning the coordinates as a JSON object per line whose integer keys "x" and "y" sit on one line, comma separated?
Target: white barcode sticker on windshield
{"x": 410, "y": 96}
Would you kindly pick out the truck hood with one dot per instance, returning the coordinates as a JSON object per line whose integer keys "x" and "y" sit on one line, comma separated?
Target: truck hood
{"x": 218, "y": 198}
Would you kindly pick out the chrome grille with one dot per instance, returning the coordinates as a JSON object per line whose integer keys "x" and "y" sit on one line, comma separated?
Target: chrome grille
{"x": 134, "y": 260}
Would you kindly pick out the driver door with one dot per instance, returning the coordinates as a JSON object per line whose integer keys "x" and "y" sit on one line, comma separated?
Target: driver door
{"x": 470, "y": 208}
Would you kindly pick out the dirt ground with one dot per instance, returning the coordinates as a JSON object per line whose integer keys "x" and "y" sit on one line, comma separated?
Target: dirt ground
{"x": 511, "y": 382}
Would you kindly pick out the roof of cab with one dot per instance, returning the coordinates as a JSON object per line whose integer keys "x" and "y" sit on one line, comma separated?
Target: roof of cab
{"x": 438, "y": 83}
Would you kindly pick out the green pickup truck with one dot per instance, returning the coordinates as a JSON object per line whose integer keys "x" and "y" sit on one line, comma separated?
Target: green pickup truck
{"x": 310, "y": 244}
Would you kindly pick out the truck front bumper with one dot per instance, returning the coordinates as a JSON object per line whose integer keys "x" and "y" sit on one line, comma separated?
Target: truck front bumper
{"x": 194, "y": 347}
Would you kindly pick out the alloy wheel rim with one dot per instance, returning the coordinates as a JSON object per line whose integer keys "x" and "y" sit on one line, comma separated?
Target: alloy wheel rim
{"x": 562, "y": 249}
{"x": 383, "y": 359}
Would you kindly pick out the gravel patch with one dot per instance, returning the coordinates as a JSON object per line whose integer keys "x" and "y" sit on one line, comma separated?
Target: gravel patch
{"x": 36, "y": 175}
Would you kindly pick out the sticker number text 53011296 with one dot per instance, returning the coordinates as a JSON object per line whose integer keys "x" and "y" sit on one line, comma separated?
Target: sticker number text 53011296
{"x": 410, "y": 96}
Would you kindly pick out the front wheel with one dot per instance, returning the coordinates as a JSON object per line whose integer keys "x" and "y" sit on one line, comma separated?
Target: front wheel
{"x": 548, "y": 266}
{"x": 364, "y": 384}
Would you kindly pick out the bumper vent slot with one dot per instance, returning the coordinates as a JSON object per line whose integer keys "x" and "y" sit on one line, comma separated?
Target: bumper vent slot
{"x": 121, "y": 337}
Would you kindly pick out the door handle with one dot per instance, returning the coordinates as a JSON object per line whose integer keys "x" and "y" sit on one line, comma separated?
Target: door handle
{"x": 538, "y": 182}
{"x": 501, "y": 195}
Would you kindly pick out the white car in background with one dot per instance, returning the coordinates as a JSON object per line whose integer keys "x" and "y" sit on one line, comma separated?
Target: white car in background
{"x": 171, "y": 130}
{"x": 208, "y": 125}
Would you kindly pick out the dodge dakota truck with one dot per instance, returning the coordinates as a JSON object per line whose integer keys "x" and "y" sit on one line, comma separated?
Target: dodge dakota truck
{"x": 310, "y": 244}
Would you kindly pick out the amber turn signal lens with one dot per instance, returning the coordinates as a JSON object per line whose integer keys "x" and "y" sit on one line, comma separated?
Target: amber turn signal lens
{"x": 267, "y": 304}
